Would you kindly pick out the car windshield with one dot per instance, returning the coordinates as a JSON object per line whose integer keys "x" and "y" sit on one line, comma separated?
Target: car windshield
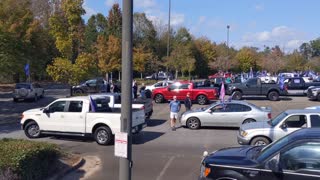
{"x": 25, "y": 86}
{"x": 273, "y": 122}
{"x": 270, "y": 149}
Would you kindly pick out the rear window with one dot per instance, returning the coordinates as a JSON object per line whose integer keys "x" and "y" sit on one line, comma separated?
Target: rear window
{"x": 25, "y": 86}
{"x": 102, "y": 105}
{"x": 315, "y": 120}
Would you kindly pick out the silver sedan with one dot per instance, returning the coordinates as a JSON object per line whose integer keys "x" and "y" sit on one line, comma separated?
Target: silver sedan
{"x": 227, "y": 114}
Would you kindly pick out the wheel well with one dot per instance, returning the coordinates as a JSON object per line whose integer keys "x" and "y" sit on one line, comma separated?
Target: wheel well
{"x": 193, "y": 117}
{"x": 236, "y": 90}
{"x": 249, "y": 119}
{"x": 99, "y": 125}
{"x": 271, "y": 90}
{"x": 26, "y": 122}
{"x": 260, "y": 136}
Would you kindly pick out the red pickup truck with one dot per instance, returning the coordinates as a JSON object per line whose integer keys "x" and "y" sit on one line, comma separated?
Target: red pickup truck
{"x": 201, "y": 95}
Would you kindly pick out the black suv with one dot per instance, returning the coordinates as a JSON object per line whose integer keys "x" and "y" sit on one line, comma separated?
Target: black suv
{"x": 295, "y": 156}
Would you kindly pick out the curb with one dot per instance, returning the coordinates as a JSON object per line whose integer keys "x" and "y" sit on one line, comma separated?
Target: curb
{"x": 68, "y": 170}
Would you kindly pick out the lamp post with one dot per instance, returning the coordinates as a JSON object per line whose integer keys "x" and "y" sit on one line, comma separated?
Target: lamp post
{"x": 228, "y": 27}
{"x": 168, "y": 42}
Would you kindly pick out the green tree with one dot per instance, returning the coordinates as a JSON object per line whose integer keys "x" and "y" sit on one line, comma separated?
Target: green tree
{"x": 315, "y": 45}
{"x": 306, "y": 50}
{"x": 140, "y": 58}
{"x": 205, "y": 54}
{"x": 296, "y": 62}
{"x": 247, "y": 58}
{"x": 114, "y": 20}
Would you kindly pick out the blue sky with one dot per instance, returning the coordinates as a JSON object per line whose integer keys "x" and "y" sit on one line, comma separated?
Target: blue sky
{"x": 259, "y": 23}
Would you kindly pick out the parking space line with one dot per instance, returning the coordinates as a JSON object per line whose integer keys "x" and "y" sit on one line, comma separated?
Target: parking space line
{"x": 165, "y": 168}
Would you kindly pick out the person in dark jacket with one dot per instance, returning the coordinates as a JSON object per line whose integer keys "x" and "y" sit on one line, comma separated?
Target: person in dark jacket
{"x": 187, "y": 102}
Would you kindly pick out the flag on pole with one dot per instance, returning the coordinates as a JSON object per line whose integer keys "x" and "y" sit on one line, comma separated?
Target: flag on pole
{"x": 93, "y": 105}
{"x": 222, "y": 92}
{"x": 251, "y": 73}
{"x": 27, "y": 69}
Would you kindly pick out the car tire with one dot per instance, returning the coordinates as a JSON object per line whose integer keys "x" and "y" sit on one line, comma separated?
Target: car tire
{"x": 78, "y": 91}
{"x": 103, "y": 135}
{"x": 318, "y": 97}
{"x": 236, "y": 95}
{"x": 202, "y": 99}
{"x": 193, "y": 123}
{"x": 15, "y": 100}
{"x": 158, "y": 98}
{"x": 260, "y": 141}
{"x": 248, "y": 121}
{"x": 35, "y": 99}
{"x": 273, "y": 96}
{"x": 32, "y": 130}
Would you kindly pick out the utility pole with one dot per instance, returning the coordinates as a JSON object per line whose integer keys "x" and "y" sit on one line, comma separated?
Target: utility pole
{"x": 168, "y": 43}
{"x": 228, "y": 27}
{"x": 125, "y": 164}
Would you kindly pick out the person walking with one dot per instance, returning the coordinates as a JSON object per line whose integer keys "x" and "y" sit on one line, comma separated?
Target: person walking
{"x": 174, "y": 110}
{"x": 187, "y": 102}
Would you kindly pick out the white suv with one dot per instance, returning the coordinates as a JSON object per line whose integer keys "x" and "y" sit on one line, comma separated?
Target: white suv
{"x": 27, "y": 91}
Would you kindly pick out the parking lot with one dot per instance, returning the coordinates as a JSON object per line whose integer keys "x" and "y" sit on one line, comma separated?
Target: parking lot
{"x": 158, "y": 152}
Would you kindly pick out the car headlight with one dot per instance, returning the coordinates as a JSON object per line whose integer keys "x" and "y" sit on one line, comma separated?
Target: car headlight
{"x": 243, "y": 133}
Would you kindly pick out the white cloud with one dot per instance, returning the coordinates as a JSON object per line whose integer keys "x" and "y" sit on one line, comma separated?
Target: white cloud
{"x": 259, "y": 7}
{"x": 280, "y": 35}
{"x": 89, "y": 11}
{"x": 145, "y": 3}
{"x": 109, "y": 3}
{"x": 177, "y": 19}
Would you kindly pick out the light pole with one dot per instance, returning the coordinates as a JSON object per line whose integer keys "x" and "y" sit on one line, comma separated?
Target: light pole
{"x": 168, "y": 42}
{"x": 228, "y": 27}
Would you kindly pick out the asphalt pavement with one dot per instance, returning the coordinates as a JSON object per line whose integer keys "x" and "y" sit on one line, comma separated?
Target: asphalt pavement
{"x": 158, "y": 152}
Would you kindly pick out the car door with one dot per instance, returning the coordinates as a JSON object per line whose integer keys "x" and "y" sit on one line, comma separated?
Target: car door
{"x": 183, "y": 90}
{"x": 53, "y": 119}
{"x": 295, "y": 86}
{"x": 172, "y": 91}
{"x": 253, "y": 87}
{"x": 236, "y": 114}
{"x": 74, "y": 117}
{"x": 290, "y": 124}
{"x": 299, "y": 161}
{"x": 215, "y": 116}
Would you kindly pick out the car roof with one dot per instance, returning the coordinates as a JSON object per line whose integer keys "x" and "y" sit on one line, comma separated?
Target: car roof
{"x": 294, "y": 111}
{"x": 305, "y": 133}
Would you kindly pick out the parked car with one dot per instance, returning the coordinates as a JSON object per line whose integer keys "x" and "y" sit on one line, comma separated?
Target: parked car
{"x": 313, "y": 93}
{"x": 80, "y": 116}
{"x": 298, "y": 86}
{"x": 26, "y": 91}
{"x": 160, "y": 84}
{"x": 180, "y": 89}
{"x": 228, "y": 114}
{"x": 90, "y": 86}
{"x": 254, "y": 86}
{"x": 295, "y": 156}
{"x": 263, "y": 133}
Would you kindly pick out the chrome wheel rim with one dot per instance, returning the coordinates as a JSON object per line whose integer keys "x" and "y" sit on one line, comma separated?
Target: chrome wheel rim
{"x": 201, "y": 99}
{"x": 158, "y": 98}
{"x": 102, "y": 136}
{"x": 193, "y": 123}
{"x": 33, "y": 130}
{"x": 260, "y": 143}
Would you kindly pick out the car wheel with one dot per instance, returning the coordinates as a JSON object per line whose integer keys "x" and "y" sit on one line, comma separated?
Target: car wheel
{"x": 236, "y": 95}
{"x": 42, "y": 95}
{"x": 103, "y": 135}
{"x": 260, "y": 141}
{"x": 248, "y": 121}
{"x": 158, "y": 98}
{"x": 202, "y": 99}
{"x": 193, "y": 123}
{"x": 32, "y": 130}
{"x": 318, "y": 97}
{"x": 35, "y": 99}
{"x": 273, "y": 96}
{"x": 78, "y": 91}
{"x": 15, "y": 100}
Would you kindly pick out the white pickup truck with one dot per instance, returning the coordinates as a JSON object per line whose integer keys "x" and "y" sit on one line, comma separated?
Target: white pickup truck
{"x": 78, "y": 116}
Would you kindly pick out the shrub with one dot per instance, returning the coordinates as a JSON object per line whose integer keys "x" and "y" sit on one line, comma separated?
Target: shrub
{"x": 23, "y": 159}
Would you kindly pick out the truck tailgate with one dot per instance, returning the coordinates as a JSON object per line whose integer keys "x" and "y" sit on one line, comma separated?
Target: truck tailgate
{"x": 138, "y": 117}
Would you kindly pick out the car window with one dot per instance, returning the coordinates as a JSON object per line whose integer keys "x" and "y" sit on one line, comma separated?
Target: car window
{"x": 252, "y": 82}
{"x": 75, "y": 106}
{"x": 184, "y": 86}
{"x": 158, "y": 84}
{"x": 303, "y": 156}
{"x": 57, "y": 106}
{"x": 218, "y": 108}
{"x": 315, "y": 120}
{"x": 174, "y": 86}
{"x": 237, "y": 108}
{"x": 296, "y": 121}
{"x": 101, "y": 105}
{"x": 21, "y": 86}
{"x": 278, "y": 119}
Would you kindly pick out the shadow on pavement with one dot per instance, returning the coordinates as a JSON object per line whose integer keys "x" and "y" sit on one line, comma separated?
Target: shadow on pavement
{"x": 145, "y": 136}
{"x": 154, "y": 122}
{"x": 282, "y": 98}
{"x": 71, "y": 138}
{"x": 6, "y": 95}
{"x": 9, "y": 128}
{"x": 220, "y": 128}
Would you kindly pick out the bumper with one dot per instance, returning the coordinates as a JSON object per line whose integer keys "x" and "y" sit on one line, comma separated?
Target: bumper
{"x": 138, "y": 128}
{"x": 311, "y": 96}
{"x": 242, "y": 140}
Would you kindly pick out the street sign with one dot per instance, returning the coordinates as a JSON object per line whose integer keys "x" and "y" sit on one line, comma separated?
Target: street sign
{"x": 121, "y": 145}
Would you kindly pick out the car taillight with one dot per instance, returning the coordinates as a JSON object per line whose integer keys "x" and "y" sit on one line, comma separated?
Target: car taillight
{"x": 142, "y": 108}
{"x": 22, "y": 116}
{"x": 269, "y": 115}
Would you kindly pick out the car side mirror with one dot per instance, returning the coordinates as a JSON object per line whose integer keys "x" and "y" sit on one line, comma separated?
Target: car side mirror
{"x": 274, "y": 164}
{"x": 46, "y": 110}
{"x": 283, "y": 126}
{"x": 210, "y": 111}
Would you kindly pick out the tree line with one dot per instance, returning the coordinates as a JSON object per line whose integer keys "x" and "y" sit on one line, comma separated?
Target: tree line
{"x": 53, "y": 38}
